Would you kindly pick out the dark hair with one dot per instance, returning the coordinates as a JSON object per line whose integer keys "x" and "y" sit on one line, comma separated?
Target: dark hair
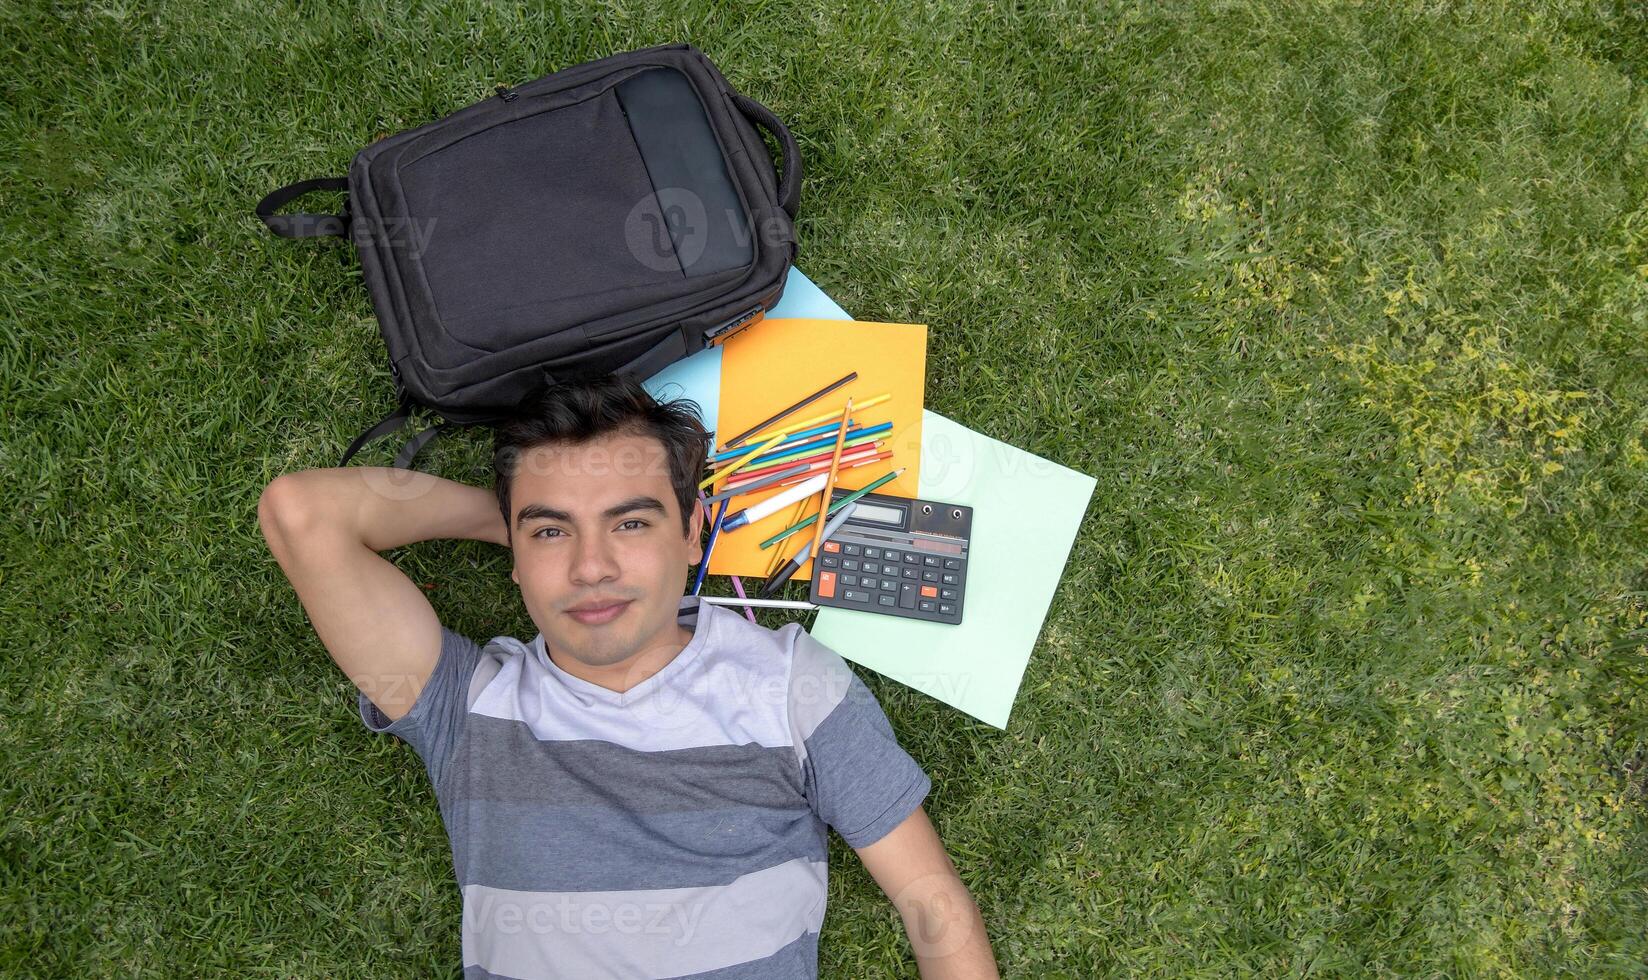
{"x": 578, "y": 412}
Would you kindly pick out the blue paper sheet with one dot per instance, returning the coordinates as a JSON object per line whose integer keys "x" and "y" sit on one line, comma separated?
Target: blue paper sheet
{"x": 699, "y": 376}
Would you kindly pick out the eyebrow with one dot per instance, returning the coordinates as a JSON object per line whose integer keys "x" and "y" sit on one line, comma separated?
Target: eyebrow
{"x": 536, "y": 512}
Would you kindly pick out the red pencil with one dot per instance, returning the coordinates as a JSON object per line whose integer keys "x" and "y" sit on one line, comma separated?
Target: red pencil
{"x": 823, "y": 457}
{"x": 800, "y": 477}
{"x": 814, "y": 463}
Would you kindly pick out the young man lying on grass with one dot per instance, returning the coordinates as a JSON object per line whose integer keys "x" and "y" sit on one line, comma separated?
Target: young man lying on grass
{"x": 642, "y": 789}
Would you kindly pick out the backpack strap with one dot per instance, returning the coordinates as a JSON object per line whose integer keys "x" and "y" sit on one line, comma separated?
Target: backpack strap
{"x": 415, "y": 445}
{"x": 660, "y": 356}
{"x": 789, "y": 180}
{"x": 305, "y": 225}
{"x": 389, "y": 423}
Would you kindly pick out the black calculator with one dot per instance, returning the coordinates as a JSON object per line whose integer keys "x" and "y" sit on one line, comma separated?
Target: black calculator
{"x": 897, "y": 556}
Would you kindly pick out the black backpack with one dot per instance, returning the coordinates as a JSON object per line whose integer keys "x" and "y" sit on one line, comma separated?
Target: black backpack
{"x": 612, "y": 217}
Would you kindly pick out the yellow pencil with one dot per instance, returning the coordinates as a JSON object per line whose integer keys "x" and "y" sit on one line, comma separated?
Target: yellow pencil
{"x": 816, "y": 419}
{"x": 829, "y": 483}
{"x": 778, "y": 554}
{"x": 743, "y": 461}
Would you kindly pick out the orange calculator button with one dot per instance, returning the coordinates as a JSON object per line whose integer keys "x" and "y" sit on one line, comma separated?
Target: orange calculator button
{"x": 826, "y": 584}
{"x": 929, "y": 591}
{"x": 832, "y": 547}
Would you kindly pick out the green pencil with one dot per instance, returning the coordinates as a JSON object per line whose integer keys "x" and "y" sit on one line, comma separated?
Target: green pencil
{"x": 844, "y": 501}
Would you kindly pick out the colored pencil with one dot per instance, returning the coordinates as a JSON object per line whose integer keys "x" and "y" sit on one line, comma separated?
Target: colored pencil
{"x": 715, "y": 531}
{"x": 880, "y": 481}
{"x": 758, "y": 482}
{"x": 731, "y": 468}
{"x": 845, "y": 465}
{"x": 816, "y": 419}
{"x": 835, "y": 468}
{"x": 738, "y": 587}
{"x": 807, "y": 551}
{"x": 827, "y": 424}
{"x": 804, "y": 448}
{"x": 803, "y": 403}
{"x": 778, "y": 554}
{"x": 808, "y": 463}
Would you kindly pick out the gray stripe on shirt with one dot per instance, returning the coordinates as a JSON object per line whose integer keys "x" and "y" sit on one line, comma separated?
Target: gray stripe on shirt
{"x": 507, "y": 762}
{"x": 533, "y": 846}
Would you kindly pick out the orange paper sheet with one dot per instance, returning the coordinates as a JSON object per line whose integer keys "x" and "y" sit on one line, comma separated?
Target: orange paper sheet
{"x": 772, "y": 364}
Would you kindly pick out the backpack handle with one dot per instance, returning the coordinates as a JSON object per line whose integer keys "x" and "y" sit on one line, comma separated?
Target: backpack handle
{"x": 305, "y": 225}
{"x": 789, "y": 180}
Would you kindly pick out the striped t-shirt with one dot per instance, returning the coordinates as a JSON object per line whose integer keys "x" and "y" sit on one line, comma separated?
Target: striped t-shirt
{"x": 676, "y": 829}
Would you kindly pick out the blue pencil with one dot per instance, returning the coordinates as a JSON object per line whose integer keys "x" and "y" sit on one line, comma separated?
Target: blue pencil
{"x": 827, "y": 443}
{"x": 715, "y": 531}
{"x": 803, "y": 435}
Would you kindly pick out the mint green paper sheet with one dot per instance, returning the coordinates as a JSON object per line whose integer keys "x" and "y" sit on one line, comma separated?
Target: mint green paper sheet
{"x": 1026, "y": 511}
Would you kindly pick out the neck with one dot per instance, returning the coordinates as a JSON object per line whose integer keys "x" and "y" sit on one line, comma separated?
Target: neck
{"x": 632, "y": 670}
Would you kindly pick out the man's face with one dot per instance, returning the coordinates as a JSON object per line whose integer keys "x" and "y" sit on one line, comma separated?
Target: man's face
{"x": 599, "y": 553}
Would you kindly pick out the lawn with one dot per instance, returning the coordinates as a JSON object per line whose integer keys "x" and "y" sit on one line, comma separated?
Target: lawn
{"x": 1344, "y": 305}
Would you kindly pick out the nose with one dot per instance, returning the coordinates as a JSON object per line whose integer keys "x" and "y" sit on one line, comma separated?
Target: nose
{"x": 593, "y": 563}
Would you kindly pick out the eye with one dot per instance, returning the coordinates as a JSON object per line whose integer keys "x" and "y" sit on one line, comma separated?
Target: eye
{"x": 540, "y": 533}
{"x": 635, "y": 521}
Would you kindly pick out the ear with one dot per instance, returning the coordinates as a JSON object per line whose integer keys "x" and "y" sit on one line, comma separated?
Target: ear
{"x": 515, "y": 574}
{"x": 695, "y": 533}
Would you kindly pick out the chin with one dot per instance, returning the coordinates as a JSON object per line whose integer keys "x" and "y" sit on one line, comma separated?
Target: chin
{"x": 603, "y": 656}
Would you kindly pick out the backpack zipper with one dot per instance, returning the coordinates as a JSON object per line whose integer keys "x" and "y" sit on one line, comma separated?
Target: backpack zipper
{"x": 733, "y": 326}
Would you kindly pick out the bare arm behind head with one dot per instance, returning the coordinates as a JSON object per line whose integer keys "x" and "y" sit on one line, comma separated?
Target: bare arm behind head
{"x": 325, "y": 528}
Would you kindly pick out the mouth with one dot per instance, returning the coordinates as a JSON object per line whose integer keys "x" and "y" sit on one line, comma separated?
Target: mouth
{"x": 595, "y": 615}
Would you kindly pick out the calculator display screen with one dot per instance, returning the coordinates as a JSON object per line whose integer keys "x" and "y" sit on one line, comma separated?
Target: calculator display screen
{"x": 877, "y": 514}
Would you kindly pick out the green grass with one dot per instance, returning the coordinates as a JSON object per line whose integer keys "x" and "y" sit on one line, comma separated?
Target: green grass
{"x": 1345, "y": 306}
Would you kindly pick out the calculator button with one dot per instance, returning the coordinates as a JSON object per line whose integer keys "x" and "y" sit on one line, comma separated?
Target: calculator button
{"x": 851, "y": 549}
{"x": 886, "y": 600}
{"x": 826, "y": 585}
{"x": 910, "y": 559}
{"x": 832, "y": 546}
{"x": 907, "y": 596}
{"x": 929, "y": 592}
{"x": 929, "y": 576}
{"x": 946, "y": 609}
{"x": 952, "y": 563}
{"x": 928, "y": 605}
{"x": 831, "y": 561}
{"x": 888, "y": 554}
{"x": 849, "y": 580}
{"x": 850, "y": 564}
{"x": 950, "y": 578}
{"x": 872, "y": 552}
{"x": 914, "y": 573}
{"x": 889, "y": 569}
{"x": 889, "y": 584}
{"x": 947, "y": 593}
{"x": 855, "y": 595}
{"x": 930, "y": 561}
